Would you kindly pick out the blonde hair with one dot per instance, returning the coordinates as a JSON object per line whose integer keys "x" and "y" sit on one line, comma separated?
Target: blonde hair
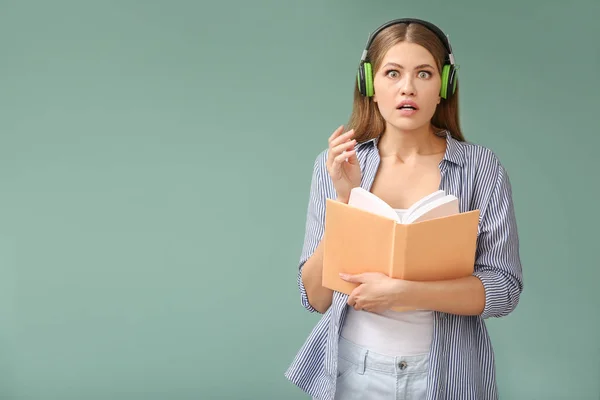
{"x": 366, "y": 119}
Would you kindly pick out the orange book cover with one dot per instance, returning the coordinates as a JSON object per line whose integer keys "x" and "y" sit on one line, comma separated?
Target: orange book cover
{"x": 357, "y": 240}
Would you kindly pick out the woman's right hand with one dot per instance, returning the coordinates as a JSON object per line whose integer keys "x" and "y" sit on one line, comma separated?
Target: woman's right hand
{"x": 342, "y": 163}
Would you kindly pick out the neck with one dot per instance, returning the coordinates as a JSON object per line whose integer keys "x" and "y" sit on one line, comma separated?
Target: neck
{"x": 398, "y": 145}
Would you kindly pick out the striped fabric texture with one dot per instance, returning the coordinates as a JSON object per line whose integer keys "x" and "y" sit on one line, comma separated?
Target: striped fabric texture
{"x": 462, "y": 358}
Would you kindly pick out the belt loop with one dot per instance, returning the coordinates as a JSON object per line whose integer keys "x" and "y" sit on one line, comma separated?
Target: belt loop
{"x": 362, "y": 361}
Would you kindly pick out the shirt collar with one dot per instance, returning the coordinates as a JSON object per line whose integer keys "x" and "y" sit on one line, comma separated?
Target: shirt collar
{"x": 454, "y": 149}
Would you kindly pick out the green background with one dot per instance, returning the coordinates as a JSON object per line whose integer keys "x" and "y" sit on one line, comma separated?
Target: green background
{"x": 155, "y": 161}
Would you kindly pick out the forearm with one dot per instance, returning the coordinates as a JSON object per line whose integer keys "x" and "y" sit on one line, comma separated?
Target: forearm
{"x": 464, "y": 296}
{"x": 319, "y": 297}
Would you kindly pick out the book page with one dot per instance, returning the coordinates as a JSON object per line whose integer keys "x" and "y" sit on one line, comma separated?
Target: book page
{"x": 441, "y": 207}
{"x": 365, "y": 200}
{"x": 422, "y": 202}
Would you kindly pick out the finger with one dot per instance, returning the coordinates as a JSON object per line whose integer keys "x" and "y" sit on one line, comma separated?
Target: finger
{"x": 358, "y": 278}
{"x": 341, "y": 153}
{"x": 341, "y": 138}
{"x": 351, "y": 300}
{"x": 334, "y": 165}
{"x": 349, "y": 145}
{"x": 352, "y": 157}
{"x": 353, "y": 296}
{"x": 336, "y": 133}
{"x": 337, "y": 161}
{"x": 336, "y": 147}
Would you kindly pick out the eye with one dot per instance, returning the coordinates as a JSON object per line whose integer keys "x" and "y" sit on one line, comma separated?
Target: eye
{"x": 424, "y": 74}
{"x": 392, "y": 73}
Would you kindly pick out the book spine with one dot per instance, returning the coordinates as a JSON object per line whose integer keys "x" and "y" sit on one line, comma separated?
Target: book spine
{"x": 404, "y": 254}
{"x": 392, "y": 251}
{"x": 398, "y": 267}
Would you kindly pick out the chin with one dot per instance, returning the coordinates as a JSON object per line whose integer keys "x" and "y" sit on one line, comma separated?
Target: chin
{"x": 406, "y": 124}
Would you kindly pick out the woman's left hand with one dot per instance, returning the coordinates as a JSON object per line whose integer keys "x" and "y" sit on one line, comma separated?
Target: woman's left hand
{"x": 376, "y": 292}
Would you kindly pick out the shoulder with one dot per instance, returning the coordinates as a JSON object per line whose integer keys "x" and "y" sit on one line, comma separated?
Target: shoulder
{"x": 321, "y": 181}
{"x": 321, "y": 159}
{"x": 319, "y": 172}
{"x": 481, "y": 161}
{"x": 477, "y": 154}
{"x": 485, "y": 176}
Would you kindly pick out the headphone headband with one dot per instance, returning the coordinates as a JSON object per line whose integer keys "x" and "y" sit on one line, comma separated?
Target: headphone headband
{"x": 437, "y": 31}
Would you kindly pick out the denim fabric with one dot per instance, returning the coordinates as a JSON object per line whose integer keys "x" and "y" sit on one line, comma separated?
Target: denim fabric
{"x": 363, "y": 374}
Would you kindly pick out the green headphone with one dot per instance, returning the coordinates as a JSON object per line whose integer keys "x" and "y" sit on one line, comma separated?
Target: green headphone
{"x": 365, "y": 71}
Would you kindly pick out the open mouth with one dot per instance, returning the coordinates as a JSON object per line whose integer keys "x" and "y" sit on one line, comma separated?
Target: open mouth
{"x": 407, "y": 105}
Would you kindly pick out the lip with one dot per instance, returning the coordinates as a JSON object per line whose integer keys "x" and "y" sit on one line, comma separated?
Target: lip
{"x": 407, "y": 103}
{"x": 407, "y": 112}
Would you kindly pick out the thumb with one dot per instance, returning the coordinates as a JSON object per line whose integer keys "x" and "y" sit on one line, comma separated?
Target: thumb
{"x": 353, "y": 158}
{"x": 357, "y": 278}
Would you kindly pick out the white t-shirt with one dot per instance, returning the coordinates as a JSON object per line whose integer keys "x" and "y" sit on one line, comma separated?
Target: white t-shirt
{"x": 390, "y": 332}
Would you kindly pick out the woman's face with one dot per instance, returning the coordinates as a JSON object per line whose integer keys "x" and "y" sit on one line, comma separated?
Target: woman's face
{"x": 407, "y": 87}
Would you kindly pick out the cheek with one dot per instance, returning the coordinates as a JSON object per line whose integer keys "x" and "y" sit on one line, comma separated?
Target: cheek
{"x": 432, "y": 97}
{"x": 384, "y": 91}
{"x": 385, "y": 102}
{"x": 434, "y": 91}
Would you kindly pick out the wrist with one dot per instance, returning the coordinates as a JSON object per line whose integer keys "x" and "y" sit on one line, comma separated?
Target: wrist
{"x": 403, "y": 293}
{"x": 342, "y": 199}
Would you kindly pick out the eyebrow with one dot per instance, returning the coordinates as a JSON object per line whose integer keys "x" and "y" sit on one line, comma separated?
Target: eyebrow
{"x": 401, "y": 67}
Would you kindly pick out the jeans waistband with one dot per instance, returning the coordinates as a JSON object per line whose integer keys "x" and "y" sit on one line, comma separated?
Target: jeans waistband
{"x": 367, "y": 359}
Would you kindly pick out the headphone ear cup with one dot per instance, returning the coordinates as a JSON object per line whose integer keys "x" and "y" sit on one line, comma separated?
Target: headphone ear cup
{"x": 453, "y": 79}
{"x": 445, "y": 79}
{"x": 360, "y": 80}
{"x": 448, "y": 81}
{"x": 369, "y": 80}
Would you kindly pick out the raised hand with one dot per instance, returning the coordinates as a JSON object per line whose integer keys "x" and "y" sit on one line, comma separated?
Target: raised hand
{"x": 342, "y": 163}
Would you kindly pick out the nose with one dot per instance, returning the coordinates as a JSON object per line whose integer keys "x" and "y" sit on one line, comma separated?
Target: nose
{"x": 407, "y": 87}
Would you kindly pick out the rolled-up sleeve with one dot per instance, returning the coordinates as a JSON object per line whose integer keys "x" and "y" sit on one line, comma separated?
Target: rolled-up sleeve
{"x": 498, "y": 263}
{"x": 315, "y": 222}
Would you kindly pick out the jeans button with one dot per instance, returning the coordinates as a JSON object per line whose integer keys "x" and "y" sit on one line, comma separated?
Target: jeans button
{"x": 402, "y": 365}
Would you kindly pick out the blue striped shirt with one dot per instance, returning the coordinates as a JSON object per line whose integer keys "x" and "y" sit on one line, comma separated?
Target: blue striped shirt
{"x": 462, "y": 358}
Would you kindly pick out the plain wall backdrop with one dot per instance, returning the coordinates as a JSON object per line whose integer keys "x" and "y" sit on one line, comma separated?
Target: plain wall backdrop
{"x": 155, "y": 162}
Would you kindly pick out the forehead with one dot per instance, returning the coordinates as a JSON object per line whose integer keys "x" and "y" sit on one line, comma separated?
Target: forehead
{"x": 408, "y": 54}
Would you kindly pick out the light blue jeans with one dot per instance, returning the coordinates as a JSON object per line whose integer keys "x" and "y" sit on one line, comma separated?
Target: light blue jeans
{"x": 363, "y": 374}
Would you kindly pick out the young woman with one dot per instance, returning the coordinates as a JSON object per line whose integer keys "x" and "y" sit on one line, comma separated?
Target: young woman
{"x": 405, "y": 142}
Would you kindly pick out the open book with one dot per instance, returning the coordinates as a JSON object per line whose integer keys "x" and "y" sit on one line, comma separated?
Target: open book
{"x": 435, "y": 205}
{"x": 431, "y": 240}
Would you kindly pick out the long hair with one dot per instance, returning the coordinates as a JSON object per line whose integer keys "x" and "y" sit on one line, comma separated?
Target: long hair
{"x": 366, "y": 119}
